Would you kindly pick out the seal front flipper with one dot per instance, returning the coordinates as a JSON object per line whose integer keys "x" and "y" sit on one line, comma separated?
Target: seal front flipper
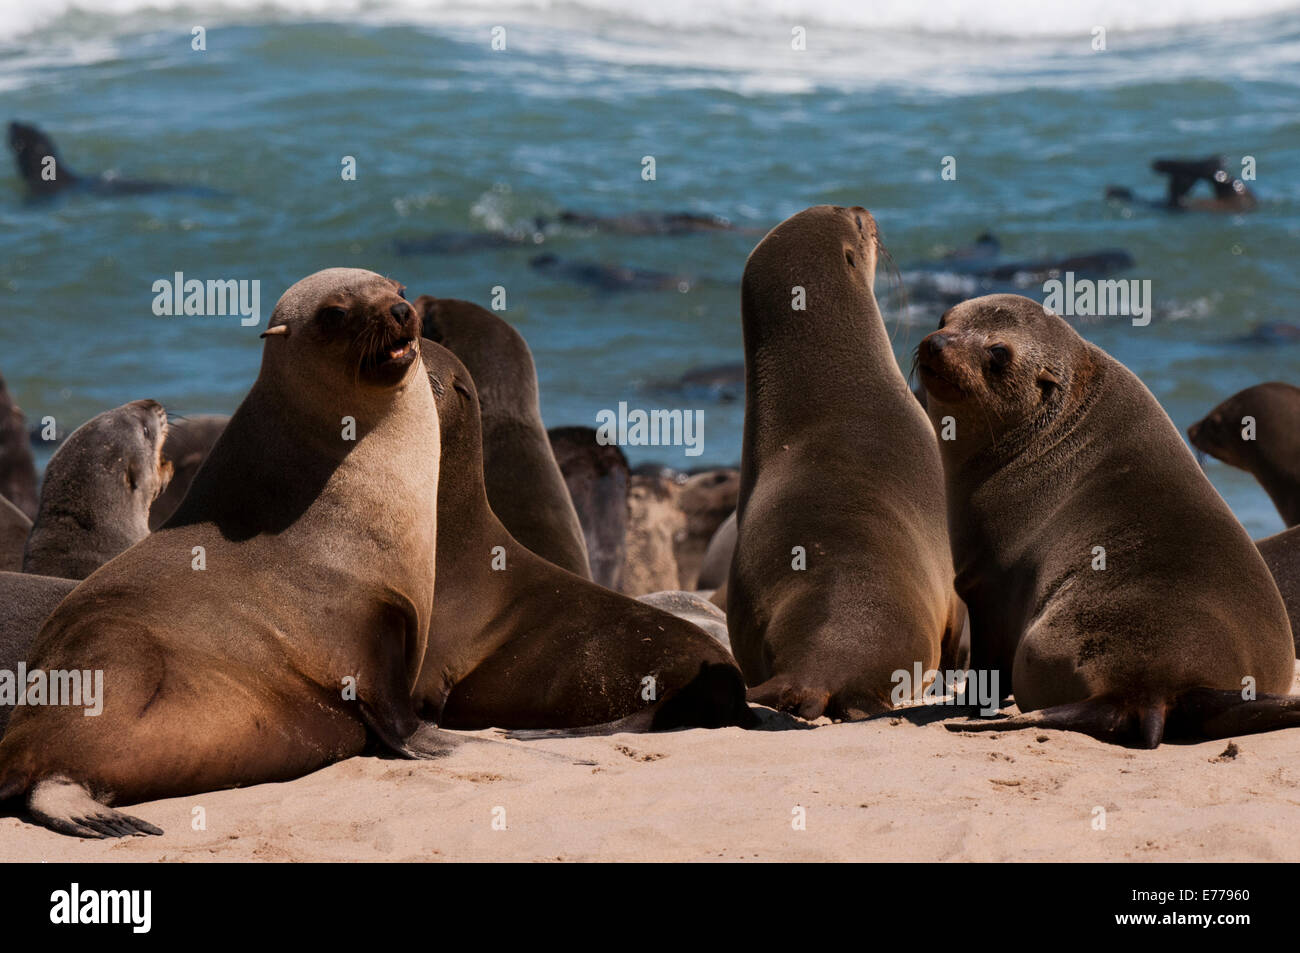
{"x": 66, "y": 807}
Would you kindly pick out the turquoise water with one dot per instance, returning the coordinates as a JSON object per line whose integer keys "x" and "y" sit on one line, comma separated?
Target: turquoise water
{"x": 452, "y": 136}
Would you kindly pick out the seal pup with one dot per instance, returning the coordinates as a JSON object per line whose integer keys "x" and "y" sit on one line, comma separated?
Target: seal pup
{"x": 14, "y": 527}
{"x": 525, "y": 487}
{"x": 316, "y": 509}
{"x": 518, "y": 642}
{"x": 841, "y": 576}
{"x": 1281, "y": 553}
{"x": 97, "y": 491}
{"x": 45, "y": 175}
{"x": 596, "y": 476}
{"x": 17, "y": 466}
{"x": 189, "y": 440}
{"x": 26, "y": 601}
{"x": 655, "y": 523}
{"x": 1268, "y": 447}
{"x": 1102, "y": 571}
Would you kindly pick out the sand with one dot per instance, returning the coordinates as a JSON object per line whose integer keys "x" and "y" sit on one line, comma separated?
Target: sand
{"x": 899, "y": 787}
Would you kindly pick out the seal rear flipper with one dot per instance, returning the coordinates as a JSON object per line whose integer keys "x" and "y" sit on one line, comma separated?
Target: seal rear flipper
{"x": 67, "y": 808}
{"x": 1102, "y": 717}
{"x": 1209, "y": 713}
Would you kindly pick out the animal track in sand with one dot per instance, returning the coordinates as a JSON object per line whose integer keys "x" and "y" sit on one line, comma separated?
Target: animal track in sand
{"x": 638, "y": 755}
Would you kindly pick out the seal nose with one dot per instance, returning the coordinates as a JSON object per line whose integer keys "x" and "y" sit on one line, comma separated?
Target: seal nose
{"x": 401, "y": 311}
{"x": 937, "y": 342}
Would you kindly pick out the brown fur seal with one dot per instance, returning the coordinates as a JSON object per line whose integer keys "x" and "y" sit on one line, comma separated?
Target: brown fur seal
{"x": 189, "y": 441}
{"x": 14, "y": 527}
{"x": 26, "y": 601}
{"x": 280, "y": 617}
{"x": 1060, "y": 458}
{"x": 17, "y": 467}
{"x": 655, "y": 525}
{"x": 841, "y": 576}
{"x": 97, "y": 491}
{"x": 517, "y": 642}
{"x": 597, "y": 478}
{"x": 1272, "y": 452}
{"x": 524, "y": 484}
{"x": 1281, "y": 554}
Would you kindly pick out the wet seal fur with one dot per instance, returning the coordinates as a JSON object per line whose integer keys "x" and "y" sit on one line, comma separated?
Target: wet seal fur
{"x": 318, "y": 567}
{"x": 532, "y": 646}
{"x": 98, "y": 489}
{"x": 838, "y": 459}
{"x": 525, "y": 487}
{"x": 1059, "y": 449}
{"x": 1273, "y": 456}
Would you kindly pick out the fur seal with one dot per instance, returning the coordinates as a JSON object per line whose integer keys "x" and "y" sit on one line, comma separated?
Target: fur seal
{"x": 525, "y": 487}
{"x": 97, "y": 491}
{"x": 279, "y": 618}
{"x": 17, "y": 466}
{"x": 1271, "y": 453}
{"x": 655, "y": 524}
{"x": 1102, "y": 571}
{"x": 14, "y": 527}
{"x": 26, "y": 601}
{"x": 597, "y": 479}
{"x": 189, "y": 440}
{"x": 841, "y": 575}
{"x": 694, "y": 608}
{"x": 517, "y": 642}
{"x": 609, "y": 278}
{"x": 45, "y": 175}
{"x": 1230, "y": 194}
{"x": 1281, "y": 554}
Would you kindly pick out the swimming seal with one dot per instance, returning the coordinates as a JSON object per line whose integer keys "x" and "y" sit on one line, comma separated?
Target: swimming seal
{"x": 1102, "y": 571}
{"x": 841, "y": 576}
{"x": 189, "y": 440}
{"x": 596, "y": 475}
{"x": 45, "y": 175}
{"x": 278, "y": 620}
{"x": 525, "y": 487}
{"x": 14, "y": 527}
{"x": 17, "y": 467}
{"x": 1268, "y": 447}
{"x": 517, "y": 642}
{"x": 97, "y": 491}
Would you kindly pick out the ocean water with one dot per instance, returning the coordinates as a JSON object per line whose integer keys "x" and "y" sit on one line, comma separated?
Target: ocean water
{"x": 450, "y": 135}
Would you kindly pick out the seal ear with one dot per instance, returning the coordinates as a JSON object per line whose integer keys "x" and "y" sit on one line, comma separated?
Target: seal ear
{"x": 1047, "y": 380}
{"x": 278, "y": 329}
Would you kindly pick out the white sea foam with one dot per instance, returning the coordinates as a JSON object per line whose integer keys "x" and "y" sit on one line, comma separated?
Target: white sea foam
{"x": 994, "y": 18}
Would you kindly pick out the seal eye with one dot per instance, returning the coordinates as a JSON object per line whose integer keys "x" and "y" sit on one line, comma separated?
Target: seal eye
{"x": 332, "y": 314}
{"x": 1000, "y": 356}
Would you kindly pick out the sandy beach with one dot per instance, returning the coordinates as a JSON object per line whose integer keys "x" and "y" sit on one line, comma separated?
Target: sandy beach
{"x": 895, "y": 788}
